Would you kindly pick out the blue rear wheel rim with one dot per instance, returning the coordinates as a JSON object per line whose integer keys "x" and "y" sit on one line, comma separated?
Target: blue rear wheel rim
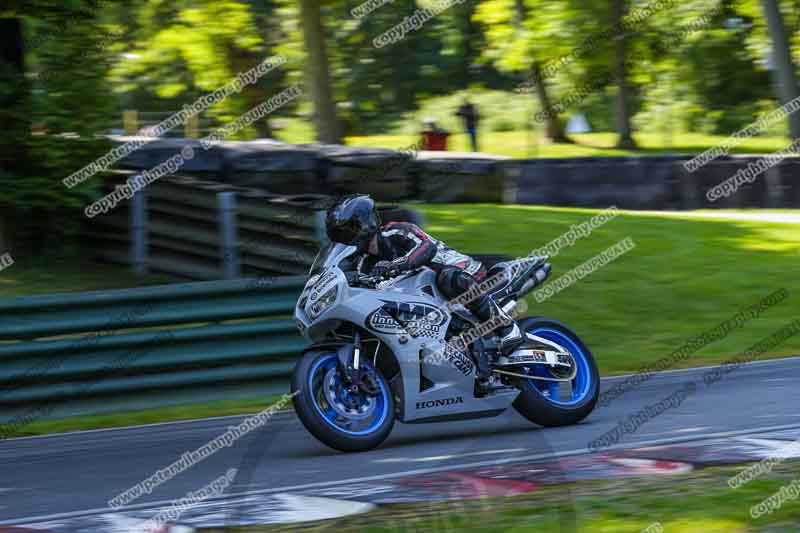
{"x": 332, "y": 401}
{"x": 582, "y": 382}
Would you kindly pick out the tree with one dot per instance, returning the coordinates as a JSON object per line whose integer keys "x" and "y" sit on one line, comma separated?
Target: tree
{"x": 318, "y": 74}
{"x": 14, "y": 121}
{"x": 620, "y": 56}
{"x": 187, "y": 48}
{"x": 515, "y": 38}
{"x": 782, "y": 53}
{"x": 12, "y": 76}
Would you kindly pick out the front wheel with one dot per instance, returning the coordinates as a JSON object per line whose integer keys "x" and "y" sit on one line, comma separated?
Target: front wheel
{"x": 344, "y": 420}
{"x": 553, "y": 403}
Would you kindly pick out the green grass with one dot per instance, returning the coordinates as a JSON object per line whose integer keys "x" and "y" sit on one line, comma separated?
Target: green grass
{"x": 521, "y": 145}
{"x": 48, "y": 275}
{"x": 684, "y": 277}
{"x": 149, "y": 416}
{"x": 699, "y": 502}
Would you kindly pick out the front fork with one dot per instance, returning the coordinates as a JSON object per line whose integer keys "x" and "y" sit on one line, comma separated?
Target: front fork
{"x": 352, "y": 369}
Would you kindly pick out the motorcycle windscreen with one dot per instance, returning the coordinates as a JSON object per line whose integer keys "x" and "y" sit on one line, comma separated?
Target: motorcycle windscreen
{"x": 332, "y": 253}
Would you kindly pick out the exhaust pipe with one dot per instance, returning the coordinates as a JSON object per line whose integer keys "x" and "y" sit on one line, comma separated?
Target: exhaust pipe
{"x": 538, "y": 277}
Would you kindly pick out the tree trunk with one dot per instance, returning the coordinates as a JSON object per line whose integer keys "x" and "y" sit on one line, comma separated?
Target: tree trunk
{"x": 263, "y": 130}
{"x": 782, "y": 53}
{"x": 623, "y": 110}
{"x": 14, "y": 119}
{"x": 15, "y": 125}
{"x": 256, "y": 96}
{"x": 318, "y": 74}
{"x": 553, "y": 130}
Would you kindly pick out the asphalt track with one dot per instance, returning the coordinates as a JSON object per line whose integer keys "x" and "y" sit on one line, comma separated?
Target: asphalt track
{"x": 69, "y": 478}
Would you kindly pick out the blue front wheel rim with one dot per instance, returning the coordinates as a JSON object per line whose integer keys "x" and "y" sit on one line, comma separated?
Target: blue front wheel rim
{"x": 355, "y": 414}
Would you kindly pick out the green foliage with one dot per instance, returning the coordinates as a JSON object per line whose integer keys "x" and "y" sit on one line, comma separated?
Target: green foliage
{"x": 39, "y": 213}
{"x": 376, "y": 86}
{"x": 63, "y": 91}
{"x": 183, "y": 50}
{"x": 70, "y": 67}
{"x": 499, "y": 111}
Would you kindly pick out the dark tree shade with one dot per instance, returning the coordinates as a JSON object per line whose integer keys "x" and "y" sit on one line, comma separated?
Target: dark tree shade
{"x": 12, "y": 70}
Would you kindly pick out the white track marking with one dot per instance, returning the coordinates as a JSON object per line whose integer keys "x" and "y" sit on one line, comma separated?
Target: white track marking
{"x": 445, "y": 457}
{"x": 299, "y": 508}
{"x": 119, "y": 523}
{"x": 794, "y": 358}
{"x": 416, "y": 472}
{"x": 690, "y": 430}
{"x": 775, "y": 448}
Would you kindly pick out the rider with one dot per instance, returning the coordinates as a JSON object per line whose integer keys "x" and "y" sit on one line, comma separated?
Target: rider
{"x": 402, "y": 246}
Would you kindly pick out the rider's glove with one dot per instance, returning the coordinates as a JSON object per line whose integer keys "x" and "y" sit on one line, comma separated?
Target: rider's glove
{"x": 384, "y": 269}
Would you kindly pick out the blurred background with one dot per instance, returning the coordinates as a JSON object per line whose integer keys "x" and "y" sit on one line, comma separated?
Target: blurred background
{"x": 545, "y": 79}
{"x": 497, "y": 125}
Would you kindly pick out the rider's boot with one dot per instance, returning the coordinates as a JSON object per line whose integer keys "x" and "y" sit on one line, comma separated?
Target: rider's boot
{"x": 510, "y": 338}
{"x": 510, "y": 334}
{"x": 484, "y": 382}
{"x": 482, "y": 360}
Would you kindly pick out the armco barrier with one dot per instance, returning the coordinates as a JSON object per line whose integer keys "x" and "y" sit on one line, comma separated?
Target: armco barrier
{"x": 656, "y": 182}
{"x": 202, "y": 229}
{"x": 96, "y": 352}
{"x": 641, "y": 182}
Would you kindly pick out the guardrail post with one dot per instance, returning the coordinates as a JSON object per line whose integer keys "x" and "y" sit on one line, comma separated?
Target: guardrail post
{"x": 192, "y": 127}
{"x": 774, "y": 184}
{"x": 319, "y": 227}
{"x": 511, "y": 172}
{"x": 139, "y": 237}
{"x": 228, "y": 235}
{"x": 130, "y": 121}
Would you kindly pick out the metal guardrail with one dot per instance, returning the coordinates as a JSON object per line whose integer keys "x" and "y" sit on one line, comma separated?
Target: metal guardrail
{"x": 650, "y": 182}
{"x": 201, "y": 229}
{"x": 97, "y": 352}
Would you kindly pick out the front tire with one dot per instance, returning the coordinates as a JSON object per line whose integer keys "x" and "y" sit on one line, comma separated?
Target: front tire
{"x": 543, "y": 402}
{"x": 345, "y": 421}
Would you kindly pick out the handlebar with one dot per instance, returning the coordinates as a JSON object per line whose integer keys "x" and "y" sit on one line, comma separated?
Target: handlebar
{"x": 372, "y": 281}
{"x": 369, "y": 281}
{"x": 354, "y": 277}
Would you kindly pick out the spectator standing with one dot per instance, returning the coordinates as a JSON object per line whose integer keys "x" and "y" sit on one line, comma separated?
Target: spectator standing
{"x": 469, "y": 115}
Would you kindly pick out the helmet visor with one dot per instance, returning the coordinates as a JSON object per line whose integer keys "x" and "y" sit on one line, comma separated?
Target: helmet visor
{"x": 345, "y": 233}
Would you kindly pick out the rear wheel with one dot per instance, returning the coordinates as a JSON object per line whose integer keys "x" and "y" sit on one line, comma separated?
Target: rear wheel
{"x": 342, "y": 419}
{"x": 553, "y": 403}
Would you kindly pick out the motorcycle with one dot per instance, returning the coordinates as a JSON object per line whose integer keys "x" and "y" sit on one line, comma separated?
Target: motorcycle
{"x": 387, "y": 349}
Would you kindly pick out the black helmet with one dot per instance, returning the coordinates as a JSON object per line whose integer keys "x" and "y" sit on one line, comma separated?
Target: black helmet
{"x": 353, "y": 221}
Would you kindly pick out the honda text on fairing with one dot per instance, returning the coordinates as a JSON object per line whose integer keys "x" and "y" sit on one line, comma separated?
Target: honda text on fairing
{"x": 385, "y": 349}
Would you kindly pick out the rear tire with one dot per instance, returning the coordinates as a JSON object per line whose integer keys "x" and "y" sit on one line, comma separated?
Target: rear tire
{"x": 534, "y": 404}
{"x": 322, "y": 419}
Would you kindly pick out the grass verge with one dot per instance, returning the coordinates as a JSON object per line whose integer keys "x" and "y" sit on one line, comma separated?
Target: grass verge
{"x": 699, "y": 502}
{"x": 683, "y": 277}
{"x": 69, "y": 273}
{"x": 523, "y": 145}
{"x": 148, "y": 416}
